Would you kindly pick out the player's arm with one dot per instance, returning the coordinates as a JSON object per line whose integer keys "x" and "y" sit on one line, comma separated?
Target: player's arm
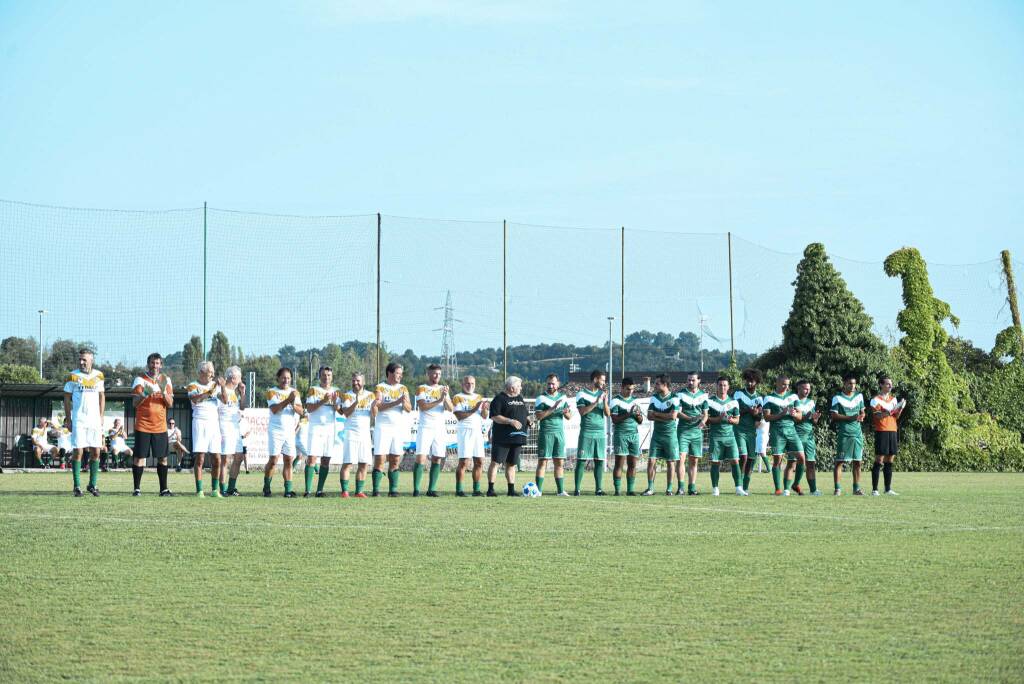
{"x": 584, "y": 410}
{"x": 67, "y": 407}
{"x": 484, "y": 408}
{"x": 103, "y": 401}
{"x": 621, "y": 417}
{"x": 168, "y": 394}
{"x": 447, "y": 397}
{"x": 406, "y": 401}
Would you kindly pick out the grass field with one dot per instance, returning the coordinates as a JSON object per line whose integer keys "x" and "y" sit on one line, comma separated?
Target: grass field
{"x": 925, "y": 586}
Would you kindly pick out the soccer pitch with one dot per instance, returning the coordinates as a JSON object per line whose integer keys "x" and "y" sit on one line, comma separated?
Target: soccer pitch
{"x": 925, "y": 586}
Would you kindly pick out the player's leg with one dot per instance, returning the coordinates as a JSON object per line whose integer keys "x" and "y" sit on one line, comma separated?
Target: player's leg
{"x": 631, "y": 470}
{"x": 287, "y": 472}
{"x": 143, "y": 448}
{"x": 378, "y": 473}
{"x": 76, "y": 472}
{"x": 394, "y": 462}
{"x": 421, "y": 462}
{"x": 497, "y": 458}
{"x": 325, "y": 471}
{"x": 478, "y": 471}
{"x": 652, "y": 468}
{"x": 887, "y": 469}
{"x": 436, "y": 463}
{"x": 160, "y": 450}
{"x": 460, "y": 471}
{"x": 198, "y": 461}
{"x": 309, "y": 472}
{"x": 837, "y": 467}
{"x": 691, "y": 473}
{"x": 714, "y": 456}
{"x": 346, "y": 469}
{"x": 617, "y": 471}
{"x": 94, "y": 471}
{"x": 599, "y": 453}
{"x": 511, "y": 463}
{"x": 857, "y": 459}
{"x": 810, "y": 459}
{"x": 542, "y": 467}
{"x": 361, "y": 478}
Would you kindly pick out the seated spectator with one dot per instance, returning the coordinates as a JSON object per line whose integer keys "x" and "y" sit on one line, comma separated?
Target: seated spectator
{"x": 41, "y": 444}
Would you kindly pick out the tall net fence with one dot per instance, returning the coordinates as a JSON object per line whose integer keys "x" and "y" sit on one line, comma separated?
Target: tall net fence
{"x": 132, "y": 282}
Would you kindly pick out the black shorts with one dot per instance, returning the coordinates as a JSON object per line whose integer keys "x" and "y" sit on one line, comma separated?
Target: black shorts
{"x": 507, "y": 454}
{"x": 886, "y": 443}
{"x": 150, "y": 444}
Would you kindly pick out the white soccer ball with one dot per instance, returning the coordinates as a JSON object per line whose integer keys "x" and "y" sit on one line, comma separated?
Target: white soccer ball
{"x": 530, "y": 489}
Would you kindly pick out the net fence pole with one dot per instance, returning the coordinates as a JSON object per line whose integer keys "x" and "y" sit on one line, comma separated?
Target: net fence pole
{"x": 622, "y": 301}
{"x": 504, "y": 298}
{"x": 204, "y": 280}
{"x": 377, "y": 361}
{"x": 732, "y": 334}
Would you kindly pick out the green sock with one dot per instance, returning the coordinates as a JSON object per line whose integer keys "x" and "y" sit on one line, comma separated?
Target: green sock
{"x": 856, "y": 486}
{"x": 598, "y": 474}
{"x": 630, "y": 484}
{"x": 287, "y": 486}
{"x": 215, "y": 485}
{"x": 785, "y": 484}
{"x": 777, "y": 477}
{"x": 309, "y": 473}
{"x": 392, "y": 481}
{"x": 344, "y": 485}
{"x": 199, "y": 485}
{"x": 617, "y": 483}
{"x": 94, "y": 473}
{"x": 578, "y": 474}
{"x": 764, "y": 460}
{"x": 435, "y": 472}
{"x": 476, "y": 485}
{"x": 540, "y": 484}
{"x": 560, "y": 484}
{"x": 321, "y": 479}
{"x": 837, "y": 487}
{"x": 359, "y": 486}
{"x": 76, "y": 473}
{"x": 746, "y": 476}
{"x": 316, "y": 469}
{"x": 715, "y": 474}
{"x": 692, "y": 487}
{"x": 266, "y": 483}
{"x": 377, "y": 476}
{"x": 813, "y": 483}
{"x": 232, "y": 482}
{"x": 736, "y": 473}
{"x": 417, "y": 476}
{"x": 799, "y": 474}
{"x": 650, "y": 483}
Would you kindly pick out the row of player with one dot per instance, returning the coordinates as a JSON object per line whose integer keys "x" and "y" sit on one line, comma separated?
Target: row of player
{"x": 376, "y": 430}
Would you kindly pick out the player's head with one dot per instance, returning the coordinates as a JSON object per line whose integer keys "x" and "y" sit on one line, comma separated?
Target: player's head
{"x": 326, "y": 375}
{"x": 394, "y": 372}
{"x": 154, "y": 363}
{"x": 513, "y": 385}
{"x": 723, "y": 386}
{"x": 42, "y": 422}
{"x": 693, "y": 380}
{"x": 284, "y": 377}
{"x": 358, "y": 381}
{"x": 468, "y": 384}
{"x": 117, "y": 421}
{"x": 781, "y": 383}
{"x": 206, "y": 371}
{"x": 850, "y": 383}
{"x": 626, "y": 386}
{"x": 85, "y": 359}
{"x": 803, "y": 388}
{"x": 552, "y": 383}
{"x": 751, "y": 378}
{"x": 885, "y": 384}
{"x": 433, "y": 373}
{"x": 233, "y": 375}
{"x": 661, "y": 383}
{"x": 598, "y": 378}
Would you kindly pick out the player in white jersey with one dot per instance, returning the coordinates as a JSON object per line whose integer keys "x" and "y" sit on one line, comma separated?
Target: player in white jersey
{"x": 432, "y": 401}
{"x": 357, "y": 407}
{"x": 202, "y": 393}
{"x": 322, "y": 403}
{"x": 285, "y": 409}
{"x": 470, "y": 410}
{"x": 64, "y": 441}
{"x": 391, "y": 426}
{"x": 84, "y": 403}
{"x": 229, "y": 419}
{"x": 118, "y": 443}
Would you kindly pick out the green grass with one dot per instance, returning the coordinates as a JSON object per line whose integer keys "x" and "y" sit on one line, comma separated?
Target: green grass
{"x": 926, "y": 586}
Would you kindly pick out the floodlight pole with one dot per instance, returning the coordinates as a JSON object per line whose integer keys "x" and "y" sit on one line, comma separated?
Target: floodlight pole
{"x": 504, "y": 299}
{"x": 622, "y": 302}
{"x": 377, "y": 362}
{"x": 204, "y": 280}
{"x": 732, "y": 335}
{"x": 41, "y": 312}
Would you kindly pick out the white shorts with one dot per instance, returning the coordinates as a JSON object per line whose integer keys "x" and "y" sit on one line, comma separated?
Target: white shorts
{"x": 761, "y": 443}
{"x": 471, "y": 443}
{"x": 321, "y": 440}
{"x": 64, "y": 443}
{"x": 230, "y": 439}
{"x": 357, "y": 450}
{"x": 118, "y": 445}
{"x": 431, "y": 442}
{"x": 302, "y": 441}
{"x": 280, "y": 442}
{"x": 389, "y": 439}
{"x": 205, "y": 437}
{"x": 45, "y": 446}
{"x": 85, "y": 437}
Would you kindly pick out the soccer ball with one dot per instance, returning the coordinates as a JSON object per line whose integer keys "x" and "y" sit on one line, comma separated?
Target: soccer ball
{"x": 530, "y": 489}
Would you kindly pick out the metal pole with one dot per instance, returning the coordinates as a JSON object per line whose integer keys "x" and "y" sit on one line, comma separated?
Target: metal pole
{"x": 608, "y": 425}
{"x": 204, "y": 280}
{"x": 622, "y": 302}
{"x": 377, "y": 371}
{"x": 504, "y": 299}
{"x": 41, "y": 312}
{"x": 732, "y": 335}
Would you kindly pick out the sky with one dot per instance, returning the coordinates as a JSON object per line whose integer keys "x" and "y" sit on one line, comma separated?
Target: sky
{"x": 867, "y": 126}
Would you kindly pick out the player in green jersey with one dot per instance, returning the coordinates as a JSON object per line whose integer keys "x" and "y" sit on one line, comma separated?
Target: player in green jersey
{"x": 848, "y": 413}
{"x": 804, "y": 426}
{"x": 626, "y": 415}
{"x": 592, "y": 403}
{"x": 662, "y": 411}
{"x": 551, "y": 410}
{"x": 749, "y": 401}
{"x": 723, "y": 415}
{"x": 783, "y": 441}
{"x": 693, "y": 416}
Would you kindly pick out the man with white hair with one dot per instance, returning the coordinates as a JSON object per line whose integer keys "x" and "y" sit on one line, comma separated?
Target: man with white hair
{"x": 510, "y": 420}
{"x": 84, "y": 403}
{"x": 229, "y": 417}
{"x": 205, "y": 429}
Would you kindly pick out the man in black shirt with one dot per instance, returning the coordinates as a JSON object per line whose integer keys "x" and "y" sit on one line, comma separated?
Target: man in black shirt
{"x": 510, "y": 421}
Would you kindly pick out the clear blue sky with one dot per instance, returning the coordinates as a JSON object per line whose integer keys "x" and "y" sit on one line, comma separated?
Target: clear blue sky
{"x": 865, "y": 125}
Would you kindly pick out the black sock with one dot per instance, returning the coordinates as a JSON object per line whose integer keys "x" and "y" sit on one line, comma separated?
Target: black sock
{"x": 511, "y": 489}
{"x": 887, "y": 471}
{"x": 874, "y": 476}
{"x": 490, "y": 486}
{"x": 161, "y": 471}
{"x": 137, "y": 476}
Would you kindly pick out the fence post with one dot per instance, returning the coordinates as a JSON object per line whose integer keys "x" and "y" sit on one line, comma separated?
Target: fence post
{"x": 377, "y": 371}
{"x": 732, "y": 336}
{"x": 204, "y": 282}
{"x": 622, "y": 302}
{"x": 504, "y": 298}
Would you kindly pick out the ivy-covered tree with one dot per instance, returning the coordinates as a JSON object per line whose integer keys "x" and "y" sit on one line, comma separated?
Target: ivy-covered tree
{"x": 828, "y": 332}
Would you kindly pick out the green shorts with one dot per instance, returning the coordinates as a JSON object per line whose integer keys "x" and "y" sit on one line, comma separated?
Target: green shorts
{"x": 783, "y": 442}
{"x": 626, "y": 444}
{"x": 849, "y": 449}
{"x": 550, "y": 445}
{"x": 691, "y": 443}
{"x": 664, "y": 447}
{"x": 723, "y": 449}
{"x": 746, "y": 441}
{"x": 810, "y": 448}
{"x": 591, "y": 447}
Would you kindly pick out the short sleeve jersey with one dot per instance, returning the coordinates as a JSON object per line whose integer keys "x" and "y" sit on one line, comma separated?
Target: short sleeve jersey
{"x": 509, "y": 407}
{"x": 388, "y": 393}
{"x": 722, "y": 407}
{"x": 664, "y": 404}
{"x": 286, "y": 418}
{"x": 807, "y": 409}
{"x": 85, "y": 390}
{"x": 358, "y": 423}
{"x": 151, "y": 413}
{"x": 623, "y": 406}
{"x": 230, "y": 410}
{"x": 776, "y": 404}
{"x": 553, "y": 424}
{"x": 691, "y": 405}
{"x": 747, "y": 401}
{"x": 846, "y": 405}
{"x": 39, "y": 435}
{"x": 593, "y": 422}
{"x": 881, "y": 422}
{"x": 464, "y": 401}
{"x": 325, "y": 414}
{"x": 205, "y": 408}
{"x": 432, "y": 418}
